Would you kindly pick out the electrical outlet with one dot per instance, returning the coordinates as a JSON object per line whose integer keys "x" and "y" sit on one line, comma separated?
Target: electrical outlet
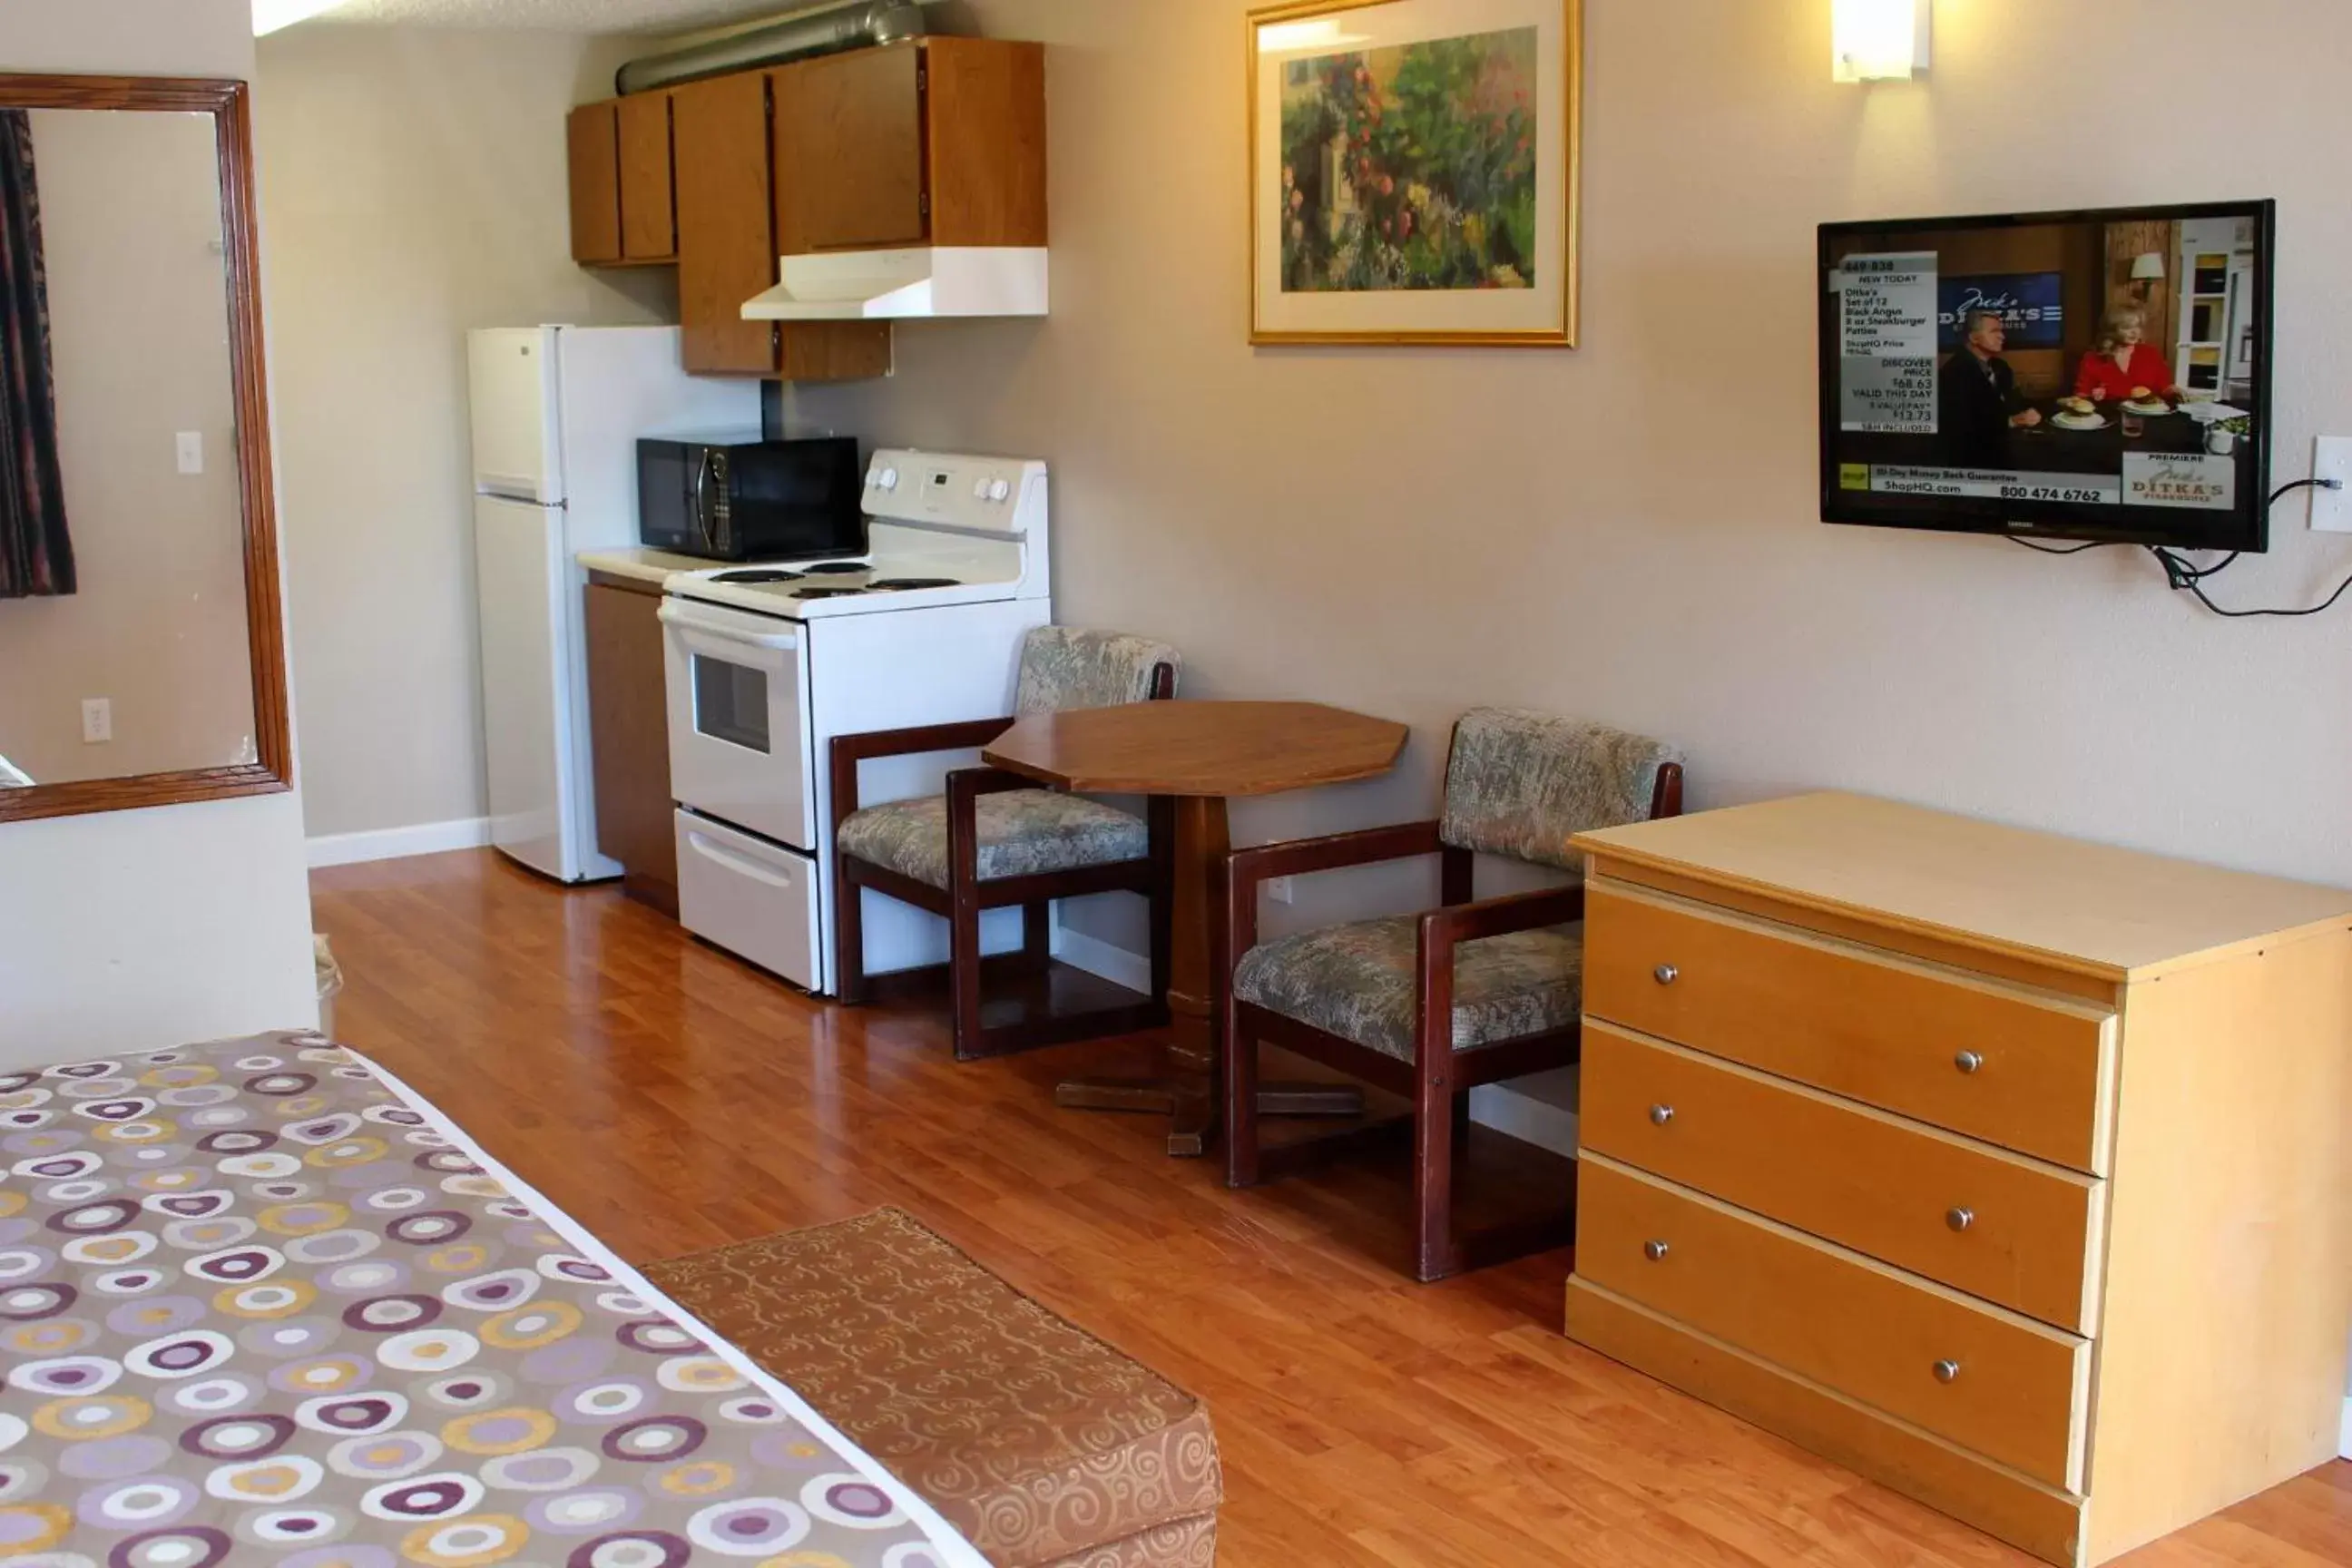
{"x": 2331, "y": 511}
{"x": 191, "y": 451}
{"x": 97, "y": 721}
{"x": 1282, "y": 889}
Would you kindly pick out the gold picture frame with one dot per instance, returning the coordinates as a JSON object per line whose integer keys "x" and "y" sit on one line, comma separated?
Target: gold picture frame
{"x": 1334, "y": 66}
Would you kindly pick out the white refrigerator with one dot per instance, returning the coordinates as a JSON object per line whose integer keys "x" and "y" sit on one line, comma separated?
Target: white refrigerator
{"x": 557, "y": 414}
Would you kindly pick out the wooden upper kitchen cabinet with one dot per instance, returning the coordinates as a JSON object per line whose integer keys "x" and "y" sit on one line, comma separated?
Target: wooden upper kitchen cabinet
{"x": 2011, "y": 1170}
{"x": 628, "y": 719}
{"x": 594, "y": 137}
{"x": 647, "y": 164}
{"x": 939, "y": 141}
{"x": 727, "y": 247}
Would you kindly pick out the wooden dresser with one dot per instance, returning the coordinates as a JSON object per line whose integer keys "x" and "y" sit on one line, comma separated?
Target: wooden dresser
{"x": 2010, "y": 1170}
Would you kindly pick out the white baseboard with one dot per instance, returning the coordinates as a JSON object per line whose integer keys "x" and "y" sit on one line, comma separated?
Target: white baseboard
{"x": 399, "y": 843}
{"x": 2343, "y": 1431}
{"x": 1498, "y": 1106}
{"x": 1099, "y": 957}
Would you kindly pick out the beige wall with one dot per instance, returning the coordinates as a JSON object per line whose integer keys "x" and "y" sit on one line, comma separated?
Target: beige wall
{"x": 143, "y": 928}
{"x": 1628, "y": 531}
{"x": 130, "y": 217}
{"x": 414, "y": 189}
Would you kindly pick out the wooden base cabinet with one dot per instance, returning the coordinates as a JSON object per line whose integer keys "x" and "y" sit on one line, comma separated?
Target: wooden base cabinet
{"x": 2010, "y": 1170}
{"x": 628, "y": 715}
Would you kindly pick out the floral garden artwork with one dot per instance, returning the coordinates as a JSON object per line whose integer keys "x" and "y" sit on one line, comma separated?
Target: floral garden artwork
{"x": 1412, "y": 167}
{"x": 1413, "y": 171}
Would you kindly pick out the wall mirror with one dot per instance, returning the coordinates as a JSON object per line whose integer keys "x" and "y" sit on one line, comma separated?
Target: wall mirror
{"x": 141, "y": 657}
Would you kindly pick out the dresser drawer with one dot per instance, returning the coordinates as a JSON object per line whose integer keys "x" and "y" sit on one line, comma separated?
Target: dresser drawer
{"x": 1990, "y": 1223}
{"x": 2016, "y": 1390}
{"x": 2023, "y": 1069}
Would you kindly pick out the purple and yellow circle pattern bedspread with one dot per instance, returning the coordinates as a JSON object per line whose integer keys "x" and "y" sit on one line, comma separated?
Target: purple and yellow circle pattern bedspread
{"x": 257, "y": 1307}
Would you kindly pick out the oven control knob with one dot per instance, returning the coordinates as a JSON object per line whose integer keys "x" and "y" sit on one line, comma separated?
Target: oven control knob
{"x": 999, "y": 490}
{"x": 979, "y": 490}
{"x": 889, "y": 480}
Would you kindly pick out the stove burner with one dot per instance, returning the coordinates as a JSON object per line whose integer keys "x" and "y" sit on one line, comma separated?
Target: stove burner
{"x": 902, "y": 584}
{"x": 757, "y": 575}
{"x": 828, "y": 592}
{"x": 839, "y": 568}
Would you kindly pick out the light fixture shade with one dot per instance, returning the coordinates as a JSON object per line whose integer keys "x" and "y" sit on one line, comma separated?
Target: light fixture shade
{"x": 1880, "y": 40}
{"x": 269, "y": 16}
{"x": 2148, "y": 266}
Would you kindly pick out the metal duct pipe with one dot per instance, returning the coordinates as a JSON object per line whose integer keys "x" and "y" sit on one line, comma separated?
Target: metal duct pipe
{"x": 851, "y": 25}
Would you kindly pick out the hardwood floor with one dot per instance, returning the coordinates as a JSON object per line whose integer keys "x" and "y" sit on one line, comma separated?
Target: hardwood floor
{"x": 671, "y": 1099}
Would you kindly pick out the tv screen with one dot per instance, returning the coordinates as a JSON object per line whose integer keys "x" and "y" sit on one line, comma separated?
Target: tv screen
{"x": 2096, "y": 375}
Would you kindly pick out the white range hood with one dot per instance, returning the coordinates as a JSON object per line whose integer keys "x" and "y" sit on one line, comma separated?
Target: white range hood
{"x": 937, "y": 280}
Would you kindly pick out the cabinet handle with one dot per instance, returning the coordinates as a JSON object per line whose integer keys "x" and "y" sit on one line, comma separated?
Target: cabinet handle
{"x": 1655, "y": 1251}
{"x": 1666, "y": 974}
{"x": 1968, "y": 1061}
{"x": 1947, "y": 1371}
{"x": 1661, "y": 1114}
{"x": 1960, "y": 1218}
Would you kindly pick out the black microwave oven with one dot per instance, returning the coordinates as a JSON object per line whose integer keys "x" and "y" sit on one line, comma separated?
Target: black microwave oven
{"x": 741, "y": 499}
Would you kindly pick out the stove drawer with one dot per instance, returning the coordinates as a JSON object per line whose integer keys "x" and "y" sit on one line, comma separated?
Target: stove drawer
{"x": 755, "y": 898}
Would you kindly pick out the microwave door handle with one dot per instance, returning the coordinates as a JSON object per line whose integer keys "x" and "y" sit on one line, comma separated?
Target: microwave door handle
{"x": 700, "y": 502}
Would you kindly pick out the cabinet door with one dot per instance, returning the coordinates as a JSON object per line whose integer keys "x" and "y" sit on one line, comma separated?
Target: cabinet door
{"x": 595, "y": 184}
{"x": 725, "y": 240}
{"x": 629, "y": 723}
{"x": 849, "y": 150}
{"x": 649, "y": 202}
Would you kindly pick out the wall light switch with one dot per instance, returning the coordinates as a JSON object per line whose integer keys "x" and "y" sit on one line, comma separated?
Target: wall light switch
{"x": 192, "y": 452}
{"x": 2331, "y": 511}
{"x": 97, "y": 721}
{"x": 1282, "y": 889}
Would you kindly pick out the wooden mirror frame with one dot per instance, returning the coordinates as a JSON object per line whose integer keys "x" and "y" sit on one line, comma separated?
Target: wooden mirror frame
{"x": 229, "y": 103}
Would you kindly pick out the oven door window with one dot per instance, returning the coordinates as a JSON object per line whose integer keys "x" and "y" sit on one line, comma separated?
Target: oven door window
{"x": 730, "y": 703}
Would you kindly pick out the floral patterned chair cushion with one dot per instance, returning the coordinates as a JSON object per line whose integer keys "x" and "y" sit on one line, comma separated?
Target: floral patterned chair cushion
{"x": 1522, "y": 783}
{"x": 1356, "y": 981}
{"x": 1062, "y": 667}
{"x": 1022, "y": 833}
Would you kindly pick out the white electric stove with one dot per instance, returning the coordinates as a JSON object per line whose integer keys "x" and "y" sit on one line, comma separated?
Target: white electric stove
{"x": 767, "y": 665}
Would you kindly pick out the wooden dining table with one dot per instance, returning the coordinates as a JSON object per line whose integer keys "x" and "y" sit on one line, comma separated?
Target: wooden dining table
{"x": 1201, "y": 754}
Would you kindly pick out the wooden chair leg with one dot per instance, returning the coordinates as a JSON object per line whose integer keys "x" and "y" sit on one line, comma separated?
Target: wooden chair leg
{"x": 1037, "y": 934}
{"x": 1435, "y": 1256}
{"x": 849, "y": 935}
{"x": 1241, "y": 1098}
{"x": 963, "y": 979}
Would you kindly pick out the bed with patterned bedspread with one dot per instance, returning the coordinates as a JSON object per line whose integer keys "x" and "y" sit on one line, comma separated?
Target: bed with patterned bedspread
{"x": 260, "y": 1303}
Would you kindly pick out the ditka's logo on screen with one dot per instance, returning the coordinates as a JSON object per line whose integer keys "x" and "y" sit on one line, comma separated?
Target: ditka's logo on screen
{"x": 2190, "y": 481}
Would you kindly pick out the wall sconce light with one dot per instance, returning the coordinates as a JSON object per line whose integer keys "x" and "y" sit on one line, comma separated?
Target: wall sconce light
{"x": 1880, "y": 40}
{"x": 2148, "y": 271}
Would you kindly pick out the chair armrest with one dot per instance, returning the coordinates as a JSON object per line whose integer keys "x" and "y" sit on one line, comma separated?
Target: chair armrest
{"x": 1302, "y": 856}
{"x": 849, "y": 751}
{"x": 1441, "y": 930}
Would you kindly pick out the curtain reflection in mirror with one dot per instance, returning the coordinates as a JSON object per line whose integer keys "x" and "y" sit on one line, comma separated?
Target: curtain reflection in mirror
{"x": 36, "y": 553}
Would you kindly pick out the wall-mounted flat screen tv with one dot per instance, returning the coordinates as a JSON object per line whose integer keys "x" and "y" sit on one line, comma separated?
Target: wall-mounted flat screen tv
{"x": 2093, "y": 375}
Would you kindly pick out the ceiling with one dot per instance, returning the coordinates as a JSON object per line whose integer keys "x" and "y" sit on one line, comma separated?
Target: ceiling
{"x": 559, "y": 15}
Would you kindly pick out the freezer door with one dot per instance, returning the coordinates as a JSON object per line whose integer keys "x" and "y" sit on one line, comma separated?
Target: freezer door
{"x": 517, "y": 448}
{"x": 526, "y": 709}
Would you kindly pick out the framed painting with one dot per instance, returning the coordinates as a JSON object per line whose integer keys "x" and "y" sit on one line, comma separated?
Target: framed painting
{"x": 1413, "y": 171}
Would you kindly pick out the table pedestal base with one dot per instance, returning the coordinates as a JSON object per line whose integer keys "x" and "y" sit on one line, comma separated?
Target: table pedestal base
{"x": 1190, "y": 1101}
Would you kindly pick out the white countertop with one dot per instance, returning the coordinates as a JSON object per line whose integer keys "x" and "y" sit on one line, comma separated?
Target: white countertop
{"x": 645, "y": 565}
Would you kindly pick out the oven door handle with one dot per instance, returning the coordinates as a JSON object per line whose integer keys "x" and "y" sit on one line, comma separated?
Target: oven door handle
{"x": 673, "y": 614}
{"x": 742, "y": 865}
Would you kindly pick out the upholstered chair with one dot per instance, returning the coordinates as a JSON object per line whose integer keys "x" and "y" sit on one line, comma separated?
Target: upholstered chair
{"x": 1428, "y": 1007}
{"x": 995, "y": 841}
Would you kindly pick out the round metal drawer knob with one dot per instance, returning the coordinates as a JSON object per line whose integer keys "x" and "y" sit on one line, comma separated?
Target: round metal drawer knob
{"x": 1947, "y": 1371}
{"x": 1661, "y": 1114}
{"x": 1655, "y": 1251}
{"x": 1666, "y": 974}
{"x": 1960, "y": 1218}
{"x": 1968, "y": 1061}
